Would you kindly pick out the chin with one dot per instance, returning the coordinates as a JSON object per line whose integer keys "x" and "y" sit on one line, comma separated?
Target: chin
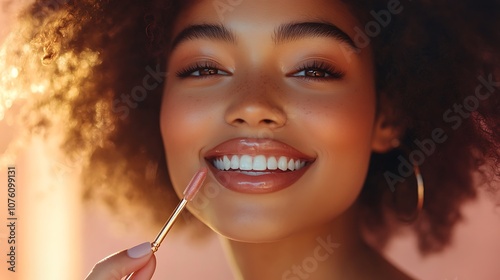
{"x": 254, "y": 233}
{"x": 259, "y": 222}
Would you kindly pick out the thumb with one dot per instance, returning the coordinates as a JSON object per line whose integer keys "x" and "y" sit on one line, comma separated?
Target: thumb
{"x": 139, "y": 258}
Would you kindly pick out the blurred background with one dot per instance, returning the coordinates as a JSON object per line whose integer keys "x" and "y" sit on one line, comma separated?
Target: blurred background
{"x": 58, "y": 236}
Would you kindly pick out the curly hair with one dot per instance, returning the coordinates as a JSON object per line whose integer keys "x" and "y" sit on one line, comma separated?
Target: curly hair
{"x": 436, "y": 65}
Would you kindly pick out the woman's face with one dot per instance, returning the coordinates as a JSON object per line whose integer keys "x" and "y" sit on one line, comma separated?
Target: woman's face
{"x": 273, "y": 97}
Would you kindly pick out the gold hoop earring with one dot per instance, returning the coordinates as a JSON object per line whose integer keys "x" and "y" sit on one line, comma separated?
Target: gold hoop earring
{"x": 420, "y": 197}
{"x": 420, "y": 188}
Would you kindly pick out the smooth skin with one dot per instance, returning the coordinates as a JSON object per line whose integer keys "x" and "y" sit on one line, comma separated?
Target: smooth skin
{"x": 254, "y": 86}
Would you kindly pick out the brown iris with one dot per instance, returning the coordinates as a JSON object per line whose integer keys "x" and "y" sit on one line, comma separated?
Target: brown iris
{"x": 316, "y": 73}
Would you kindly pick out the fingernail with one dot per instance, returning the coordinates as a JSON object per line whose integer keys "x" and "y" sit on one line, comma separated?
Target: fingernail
{"x": 139, "y": 251}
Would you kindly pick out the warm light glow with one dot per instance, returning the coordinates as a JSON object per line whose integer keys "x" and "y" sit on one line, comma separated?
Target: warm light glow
{"x": 51, "y": 214}
{"x": 49, "y": 197}
{"x": 37, "y": 88}
{"x": 14, "y": 72}
{"x": 23, "y": 75}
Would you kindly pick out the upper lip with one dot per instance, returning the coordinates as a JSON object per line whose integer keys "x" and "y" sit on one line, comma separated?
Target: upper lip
{"x": 254, "y": 147}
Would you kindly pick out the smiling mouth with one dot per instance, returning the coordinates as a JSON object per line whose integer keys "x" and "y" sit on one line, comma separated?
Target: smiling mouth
{"x": 256, "y": 166}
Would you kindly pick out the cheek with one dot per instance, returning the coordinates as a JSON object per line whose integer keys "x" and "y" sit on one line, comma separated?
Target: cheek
{"x": 341, "y": 130}
{"x": 180, "y": 119}
{"x": 185, "y": 121}
{"x": 187, "y": 117}
{"x": 341, "y": 123}
{"x": 344, "y": 127}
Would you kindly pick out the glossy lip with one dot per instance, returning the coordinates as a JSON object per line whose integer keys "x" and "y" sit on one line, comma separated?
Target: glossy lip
{"x": 268, "y": 181}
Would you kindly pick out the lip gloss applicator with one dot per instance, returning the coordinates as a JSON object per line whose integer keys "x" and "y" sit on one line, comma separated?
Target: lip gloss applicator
{"x": 193, "y": 187}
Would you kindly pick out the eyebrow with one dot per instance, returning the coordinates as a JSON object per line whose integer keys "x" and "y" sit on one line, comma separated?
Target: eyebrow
{"x": 294, "y": 31}
{"x": 204, "y": 31}
{"x": 284, "y": 33}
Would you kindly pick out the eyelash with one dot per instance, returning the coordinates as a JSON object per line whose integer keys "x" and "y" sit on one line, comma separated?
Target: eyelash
{"x": 189, "y": 70}
{"x": 334, "y": 73}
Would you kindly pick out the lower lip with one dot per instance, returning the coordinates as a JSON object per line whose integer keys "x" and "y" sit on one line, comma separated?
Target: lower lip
{"x": 257, "y": 184}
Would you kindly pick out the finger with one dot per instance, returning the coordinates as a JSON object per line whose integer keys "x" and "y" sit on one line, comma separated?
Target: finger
{"x": 146, "y": 272}
{"x": 119, "y": 265}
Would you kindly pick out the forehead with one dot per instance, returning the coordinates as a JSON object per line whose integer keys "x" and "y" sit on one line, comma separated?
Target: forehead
{"x": 243, "y": 15}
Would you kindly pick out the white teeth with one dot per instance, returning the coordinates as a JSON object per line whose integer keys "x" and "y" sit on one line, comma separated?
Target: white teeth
{"x": 272, "y": 163}
{"x": 257, "y": 163}
{"x": 218, "y": 164}
{"x": 235, "y": 162}
{"x": 227, "y": 163}
{"x": 246, "y": 162}
{"x": 282, "y": 164}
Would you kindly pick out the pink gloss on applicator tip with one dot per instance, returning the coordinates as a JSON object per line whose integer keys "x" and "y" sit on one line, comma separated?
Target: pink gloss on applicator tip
{"x": 195, "y": 184}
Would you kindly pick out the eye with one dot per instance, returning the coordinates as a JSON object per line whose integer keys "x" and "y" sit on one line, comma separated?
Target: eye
{"x": 202, "y": 70}
{"x": 318, "y": 70}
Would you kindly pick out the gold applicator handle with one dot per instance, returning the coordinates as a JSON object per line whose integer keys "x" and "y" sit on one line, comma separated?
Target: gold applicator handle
{"x": 168, "y": 225}
{"x": 191, "y": 190}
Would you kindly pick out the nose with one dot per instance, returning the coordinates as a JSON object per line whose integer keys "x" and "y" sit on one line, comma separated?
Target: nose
{"x": 255, "y": 105}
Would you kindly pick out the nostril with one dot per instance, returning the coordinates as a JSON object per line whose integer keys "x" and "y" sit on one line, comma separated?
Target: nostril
{"x": 255, "y": 114}
{"x": 239, "y": 121}
{"x": 263, "y": 121}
